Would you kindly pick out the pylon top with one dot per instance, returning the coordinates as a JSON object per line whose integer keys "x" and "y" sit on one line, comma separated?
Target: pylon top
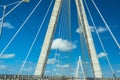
{"x": 26, "y": 1}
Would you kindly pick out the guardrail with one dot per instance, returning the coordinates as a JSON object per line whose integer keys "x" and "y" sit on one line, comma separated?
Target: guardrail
{"x": 31, "y": 77}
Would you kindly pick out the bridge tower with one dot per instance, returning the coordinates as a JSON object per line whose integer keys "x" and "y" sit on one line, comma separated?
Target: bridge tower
{"x": 50, "y": 33}
{"x": 79, "y": 66}
{"x": 48, "y": 39}
{"x": 88, "y": 39}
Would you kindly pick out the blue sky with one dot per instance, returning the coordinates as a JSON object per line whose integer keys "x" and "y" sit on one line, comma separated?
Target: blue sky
{"x": 66, "y": 57}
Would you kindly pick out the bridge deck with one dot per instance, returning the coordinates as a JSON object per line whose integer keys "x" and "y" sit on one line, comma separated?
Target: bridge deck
{"x": 31, "y": 77}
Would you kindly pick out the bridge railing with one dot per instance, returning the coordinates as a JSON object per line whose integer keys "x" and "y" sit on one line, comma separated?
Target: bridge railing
{"x": 27, "y": 77}
{"x": 31, "y": 77}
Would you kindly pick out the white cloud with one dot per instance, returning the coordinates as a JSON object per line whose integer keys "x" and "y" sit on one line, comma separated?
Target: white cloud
{"x": 2, "y": 67}
{"x": 29, "y": 69}
{"x": 51, "y": 61}
{"x": 7, "y": 25}
{"x": 102, "y": 54}
{"x": 12, "y": 70}
{"x": 101, "y": 29}
{"x": 30, "y": 63}
{"x": 62, "y": 66}
{"x": 86, "y": 62}
{"x": 46, "y": 72}
{"x": 62, "y": 45}
{"x": 92, "y": 29}
{"x": 55, "y": 70}
{"x": 7, "y": 56}
{"x": 57, "y": 54}
{"x": 77, "y": 30}
{"x": 118, "y": 71}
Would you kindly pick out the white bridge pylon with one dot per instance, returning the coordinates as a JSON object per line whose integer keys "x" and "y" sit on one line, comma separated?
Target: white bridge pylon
{"x": 79, "y": 66}
{"x": 40, "y": 69}
{"x": 48, "y": 39}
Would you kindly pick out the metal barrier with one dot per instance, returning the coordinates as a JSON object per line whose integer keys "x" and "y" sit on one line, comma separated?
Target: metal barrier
{"x": 31, "y": 77}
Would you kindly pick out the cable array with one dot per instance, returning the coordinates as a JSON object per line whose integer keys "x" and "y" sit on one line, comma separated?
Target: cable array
{"x": 5, "y": 14}
{"x": 35, "y": 38}
{"x": 100, "y": 39}
{"x": 2, "y": 20}
{"x": 11, "y": 9}
{"x": 20, "y": 28}
{"x": 63, "y": 32}
{"x": 106, "y": 24}
{"x": 59, "y": 35}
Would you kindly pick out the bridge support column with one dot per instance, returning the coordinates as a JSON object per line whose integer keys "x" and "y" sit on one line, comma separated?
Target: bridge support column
{"x": 88, "y": 38}
{"x": 48, "y": 39}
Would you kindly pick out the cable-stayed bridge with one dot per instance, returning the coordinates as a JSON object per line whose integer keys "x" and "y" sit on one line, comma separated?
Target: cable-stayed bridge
{"x": 58, "y": 36}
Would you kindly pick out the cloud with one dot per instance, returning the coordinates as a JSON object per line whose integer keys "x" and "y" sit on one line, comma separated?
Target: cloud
{"x": 62, "y": 66}
{"x": 30, "y": 63}
{"x": 7, "y": 25}
{"x": 118, "y": 71}
{"x": 102, "y": 54}
{"x": 28, "y": 69}
{"x": 57, "y": 54}
{"x": 12, "y": 70}
{"x": 77, "y": 30}
{"x": 7, "y": 56}
{"x": 62, "y": 45}
{"x": 86, "y": 62}
{"x": 101, "y": 29}
{"x": 92, "y": 29}
{"x": 2, "y": 67}
{"x": 51, "y": 61}
{"x": 46, "y": 72}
